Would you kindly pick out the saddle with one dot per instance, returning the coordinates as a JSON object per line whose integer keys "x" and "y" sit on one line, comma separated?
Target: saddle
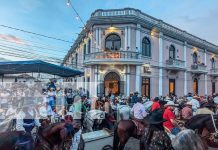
{"x": 140, "y": 126}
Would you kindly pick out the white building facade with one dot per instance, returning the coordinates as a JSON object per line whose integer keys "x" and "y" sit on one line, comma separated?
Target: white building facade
{"x": 126, "y": 50}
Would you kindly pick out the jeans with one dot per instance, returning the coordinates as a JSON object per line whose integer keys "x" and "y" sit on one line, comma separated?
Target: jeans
{"x": 175, "y": 131}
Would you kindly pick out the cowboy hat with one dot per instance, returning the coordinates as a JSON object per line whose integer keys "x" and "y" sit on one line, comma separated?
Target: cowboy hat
{"x": 195, "y": 97}
{"x": 170, "y": 103}
{"x": 156, "y": 117}
{"x": 188, "y": 103}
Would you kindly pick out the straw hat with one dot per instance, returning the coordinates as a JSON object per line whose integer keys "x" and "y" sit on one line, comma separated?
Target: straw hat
{"x": 170, "y": 103}
{"x": 189, "y": 104}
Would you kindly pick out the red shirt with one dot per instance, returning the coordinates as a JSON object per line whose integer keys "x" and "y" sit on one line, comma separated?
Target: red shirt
{"x": 167, "y": 115}
{"x": 155, "y": 106}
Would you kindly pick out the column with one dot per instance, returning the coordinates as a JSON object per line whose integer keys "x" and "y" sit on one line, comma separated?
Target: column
{"x": 99, "y": 40}
{"x": 205, "y": 76}
{"x": 160, "y": 63}
{"x": 96, "y": 38}
{"x": 91, "y": 85}
{"x": 127, "y": 80}
{"x": 96, "y": 82}
{"x": 129, "y": 36}
{"x": 86, "y": 84}
{"x": 126, "y": 39}
{"x": 138, "y": 78}
{"x": 185, "y": 73}
{"x": 138, "y": 38}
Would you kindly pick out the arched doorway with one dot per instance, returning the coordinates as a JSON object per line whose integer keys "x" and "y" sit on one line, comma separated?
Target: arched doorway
{"x": 112, "y": 84}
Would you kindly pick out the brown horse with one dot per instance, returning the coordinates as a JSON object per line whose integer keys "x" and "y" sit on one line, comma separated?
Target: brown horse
{"x": 55, "y": 136}
{"x": 123, "y": 131}
{"x": 202, "y": 123}
{"x": 16, "y": 140}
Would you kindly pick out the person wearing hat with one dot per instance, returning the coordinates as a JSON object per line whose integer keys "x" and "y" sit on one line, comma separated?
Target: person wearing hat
{"x": 215, "y": 99}
{"x": 170, "y": 124}
{"x": 187, "y": 111}
{"x": 195, "y": 104}
{"x": 138, "y": 110}
{"x": 134, "y": 98}
{"x": 205, "y": 109}
{"x": 156, "y": 104}
{"x": 27, "y": 118}
{"x": 155, "y": 136}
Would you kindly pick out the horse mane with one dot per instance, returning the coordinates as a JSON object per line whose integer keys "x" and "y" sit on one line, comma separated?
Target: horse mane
{"x": 194, "y": 121}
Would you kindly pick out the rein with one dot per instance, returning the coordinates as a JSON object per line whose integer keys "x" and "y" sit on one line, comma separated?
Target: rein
{"x": 214, "y": 125}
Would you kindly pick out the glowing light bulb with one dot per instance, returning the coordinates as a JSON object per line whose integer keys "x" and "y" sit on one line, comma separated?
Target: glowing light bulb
{"x": 68, "y": 3}
{"x": 77, "y": 18}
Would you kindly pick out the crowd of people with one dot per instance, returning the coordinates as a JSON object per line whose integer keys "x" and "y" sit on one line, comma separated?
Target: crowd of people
{"x": 27, "y": 105}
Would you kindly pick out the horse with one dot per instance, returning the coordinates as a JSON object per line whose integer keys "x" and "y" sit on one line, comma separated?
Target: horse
{"x": 55, "y": 136}
{"x": 93, "y": 119}
{"x": 12, "y": 140}
{"x": 205, "y": 125}
{"x": 123, "y": 130}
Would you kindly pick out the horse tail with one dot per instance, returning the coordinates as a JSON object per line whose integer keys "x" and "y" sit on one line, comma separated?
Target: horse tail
{"x": 116, "y": 137}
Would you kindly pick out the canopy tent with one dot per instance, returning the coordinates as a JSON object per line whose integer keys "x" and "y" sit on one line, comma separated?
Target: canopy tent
{"x": 36, "y": 66}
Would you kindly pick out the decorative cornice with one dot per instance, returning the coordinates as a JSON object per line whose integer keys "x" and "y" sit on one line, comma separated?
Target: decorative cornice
{"x": 135, "y": 16}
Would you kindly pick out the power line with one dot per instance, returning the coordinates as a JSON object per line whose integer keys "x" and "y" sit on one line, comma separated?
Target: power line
{"x": 42, "y": 35}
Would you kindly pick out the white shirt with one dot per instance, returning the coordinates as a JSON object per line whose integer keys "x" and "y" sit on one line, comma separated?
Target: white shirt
{"x": 139, "y": 111}
{"x": 195, "y": 104}
{"x": 215, "y": 99}
{"x": 19, "y": 121}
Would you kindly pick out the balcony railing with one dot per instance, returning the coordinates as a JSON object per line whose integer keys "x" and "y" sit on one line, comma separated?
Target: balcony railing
{"x": 199, "y": 68}
{"x": 113, "y": 56}
{"x": 214, "y": 72}
{"x": 175, "y": 64}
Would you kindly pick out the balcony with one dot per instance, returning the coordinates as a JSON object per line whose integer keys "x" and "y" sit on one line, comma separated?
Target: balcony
{"x": 214, "y": 72}
{"x": 198, "y": 68}
{"x": 113, "y": 57}
{"x": 175, "y": 64}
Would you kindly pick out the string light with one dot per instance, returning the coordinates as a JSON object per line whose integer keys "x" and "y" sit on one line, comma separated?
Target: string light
{"x": 77, "y": 18}
{"x": 68, "y": 2}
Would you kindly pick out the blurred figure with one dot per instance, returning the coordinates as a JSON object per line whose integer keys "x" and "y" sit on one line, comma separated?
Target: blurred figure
{"x": 188, "y": 140}
{"x": 155, "y": 137}
{"x": 187, "y": 111}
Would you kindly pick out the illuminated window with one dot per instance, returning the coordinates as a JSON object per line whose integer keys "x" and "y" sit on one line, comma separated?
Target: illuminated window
{"x": 195, "y": 86}
{"x": 113, "y": 42}
{"x": 172, "y": 86}
{"x": 146, "y": 87}
{"x": 146, "y": 47}
{"x": 172, "y": 52}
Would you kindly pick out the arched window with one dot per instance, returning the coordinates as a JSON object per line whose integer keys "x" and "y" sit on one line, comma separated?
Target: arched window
{"x": 112, "y": 42}
{"x": 146, "y": 47}
{"x": 195, "y": 58}
{"x": 172, "y": 52}
{"x": 212, "y": 63}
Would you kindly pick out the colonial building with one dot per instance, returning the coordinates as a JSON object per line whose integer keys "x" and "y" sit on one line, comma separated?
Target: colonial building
{"x": 126, "y": 50}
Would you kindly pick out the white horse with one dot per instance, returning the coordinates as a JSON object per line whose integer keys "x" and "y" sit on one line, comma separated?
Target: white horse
{"x": 91, "y": 117}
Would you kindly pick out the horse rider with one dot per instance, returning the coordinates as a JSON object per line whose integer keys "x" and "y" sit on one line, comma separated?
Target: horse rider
{"x": 138, "y": 111}
{"x": 155, "y": 136}
{"x": 27, "y": 119}
{"x": 187, "y": 111}
{"x": 195, "y": 104}
{"x": 205, "y": 109}
{"x": 134, "y": 99}
{"x": 156, "y": 104}
{"x": 170, "y": 124}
